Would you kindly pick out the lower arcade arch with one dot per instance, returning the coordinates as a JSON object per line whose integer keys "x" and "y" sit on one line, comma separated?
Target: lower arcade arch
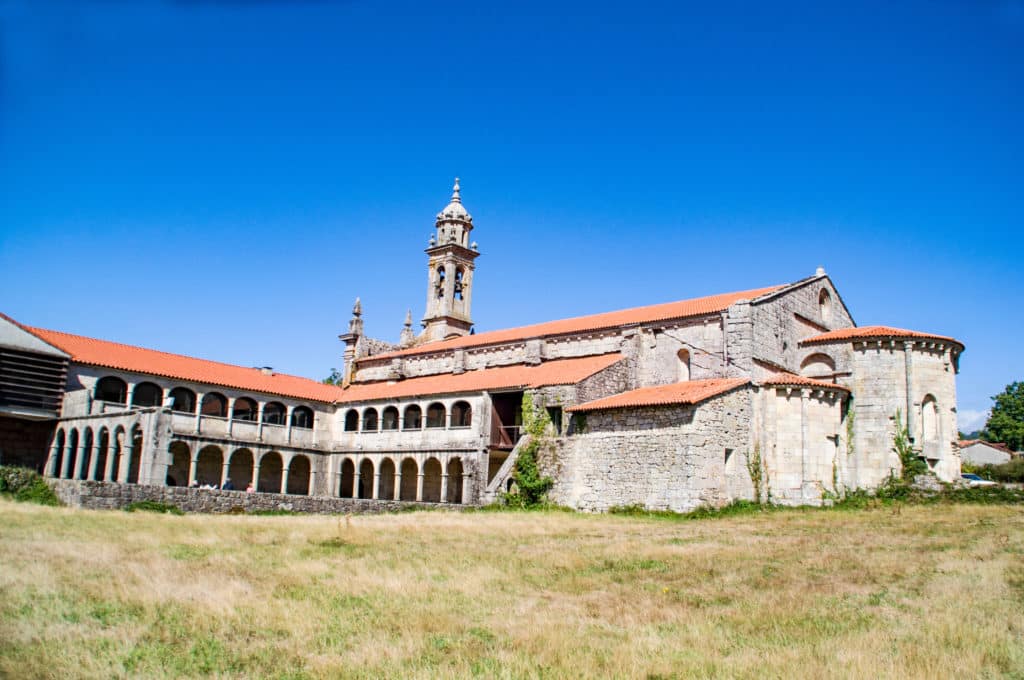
{"x": 410, "y": 479}
{"x": 240, "y": 468}
{"x": 348, "y": 477}
{"x": 271, "y": 469}
{"x": 432, "y": 481}
{"x": 455, "y": 473}
{"x": 299, "y": 475}
{"x": 181, "y": 463}
{"x": 387, "y": 479}
{"x": 365, "y": 479}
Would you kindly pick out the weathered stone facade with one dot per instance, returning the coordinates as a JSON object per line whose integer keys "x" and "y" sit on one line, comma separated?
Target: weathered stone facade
{"x": 435, "y": 416}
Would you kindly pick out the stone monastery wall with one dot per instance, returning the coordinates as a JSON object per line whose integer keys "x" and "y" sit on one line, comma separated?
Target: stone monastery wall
{"x": 666, "y": 458}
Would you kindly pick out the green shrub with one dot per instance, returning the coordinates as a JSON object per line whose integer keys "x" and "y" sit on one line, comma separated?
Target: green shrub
{"x": 531, "y": 487}
{"x": 1012, "y": 471}
{"x": 26, "y": 486}
{"x": 153, "y": 506}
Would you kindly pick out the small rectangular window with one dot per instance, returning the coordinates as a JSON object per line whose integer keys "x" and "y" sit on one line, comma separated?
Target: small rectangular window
{"x": 555, "y": 413}
{"x": 728, "y": 455}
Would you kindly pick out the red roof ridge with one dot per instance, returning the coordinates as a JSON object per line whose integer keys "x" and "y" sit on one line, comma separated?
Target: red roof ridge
{"x": 662, "y": 311}
{"x": 97, "y": 352}
{"x": 553, "y": 372}
{"x": 863, "y": 332}
{"x": 681, "y": 393}
{"x": 787, "y": 379}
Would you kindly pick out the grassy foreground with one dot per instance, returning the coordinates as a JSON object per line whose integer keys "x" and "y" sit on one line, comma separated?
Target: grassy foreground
{"x": 928, "y": 592}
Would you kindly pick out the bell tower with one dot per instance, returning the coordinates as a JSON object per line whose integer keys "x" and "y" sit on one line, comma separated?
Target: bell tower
{"x": 450, "y": 257}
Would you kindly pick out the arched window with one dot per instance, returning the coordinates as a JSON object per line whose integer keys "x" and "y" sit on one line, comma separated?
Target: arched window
{"x": 413, "y": 419}
{"x": 825, "y": 305}
{"x": 245, "y": 409}
{"x": 184, "y": 400}
{"x": 389, "y": 419}
{"x": 683, "y": 364}
{"x": 370, "y": 420}
{"x": 302, "y": 417}
{"x": 147, "y": 394}
{"x": 817, "y": 365}
{"x": 274, "y": 413}
{"x": 930, "y": 419}
{"x": 351, "y": 420}
{"x": 440, "y": 281}
{"x": 435, "y": 415}
{"x": 461, "y": 414}
{"x": 111, "y": 389}
{"x": 460, "y": 274}
{"x": 214, "y": 404}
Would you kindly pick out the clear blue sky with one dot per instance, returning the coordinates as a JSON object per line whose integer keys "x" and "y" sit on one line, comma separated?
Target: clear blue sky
{"x": 222, "y": 179}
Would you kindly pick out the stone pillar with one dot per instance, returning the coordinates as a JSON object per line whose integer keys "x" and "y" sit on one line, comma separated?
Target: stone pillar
{"x": 284, "y": 475}
{"x": 255, "y": 481}
{"x": 83, "y": 449}
{"x": 193, "y": 467}
{"x": 466, "y": 486}
{"x": 259, "y": 423}
{"x": 65, "y": 463}
{"x": 224, "y": 471}
{"x": 126, "y": 457}
{"x": 311, "y": 490}
{"x": 444, "y": 486}
{"x": 355, "y": 482}
{"x": 167, "y": 397}
{"x": 288, "y": 410}
{"x": 129, "y": 395}
{"x": 199, "y": 412}
{"x": 94, "y": 460}
{"x": 805, "y": 453}
{"x": 398, "y": 482}
{"x": 51, "y": 462}
{"x": 231, "y": 411}
{"x": 908, "y": 414}
{"x": 376, "y": 483}
{"x": 419, "y": 487}
{"x": 108, "y": 475}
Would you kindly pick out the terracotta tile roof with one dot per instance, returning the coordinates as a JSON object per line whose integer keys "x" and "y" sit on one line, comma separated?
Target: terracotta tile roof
{"x": 556, "y": 372}
{"x": 114, "y": 355}
{"x": 689, "y": 392}
{"x": 593, "y": 322}
{"x": 964, "y": 443}
{"x": 789, "y": 379}
{"x": 874, "y": 332}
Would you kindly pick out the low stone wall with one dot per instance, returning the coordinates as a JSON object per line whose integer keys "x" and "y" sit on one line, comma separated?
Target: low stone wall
{"x": 113, "y": 496}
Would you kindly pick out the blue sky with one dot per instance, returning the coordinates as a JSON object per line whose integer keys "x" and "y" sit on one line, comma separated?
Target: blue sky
{"x": 222, "y": 179}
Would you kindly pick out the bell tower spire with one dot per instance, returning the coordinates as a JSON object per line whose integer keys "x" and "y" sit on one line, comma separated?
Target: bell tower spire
{"x": 450, "y": 258}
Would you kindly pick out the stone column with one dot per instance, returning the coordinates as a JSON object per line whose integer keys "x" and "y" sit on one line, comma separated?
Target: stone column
{"x": 288, "y": 410}
{"x": 259, "y": 421}
{"x": 419, "y": 486}
{"x": 466, "y": 485}
{"x": 376, "y": 483}
{"x": 167, "y": 397}
{"x": 284, "y": 475}
{"x": 255, "y": 481}
{"x": 224, "y": 470}
{"x": 108, "y": 475}
{"x": 398, "y": 482}
{"x": 311, "y": 490}
{"x": 126, "y": 457}
{"x": 908, "y": 415}
{"x": 51, "y": 462}
{"x": 355, "y": 482}
{"x": 80, "y": 458}
{"x": 129, "y": 395}
{"x": 65, "y": 462}
{"x": 193, "y": 467}
{"x": 805, "y": 453}
{"x": 199, "y": 412}
{"x": 230, "y": 414}
{"x": 444, "y": 486}
{"x": 94, "y": 460}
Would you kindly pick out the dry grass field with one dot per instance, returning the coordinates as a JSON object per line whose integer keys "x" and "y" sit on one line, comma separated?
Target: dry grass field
{"x": 929, "y": 592}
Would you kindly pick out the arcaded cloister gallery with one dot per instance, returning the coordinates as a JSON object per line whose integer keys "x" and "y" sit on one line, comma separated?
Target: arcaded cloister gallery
{"x": 766, "y": 392}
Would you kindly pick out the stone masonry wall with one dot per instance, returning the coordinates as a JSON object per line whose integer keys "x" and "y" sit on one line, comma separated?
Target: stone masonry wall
{"x": 781, "y": 322}
{"x": 671, "y": 458}
{"x": 113, "y": 496}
